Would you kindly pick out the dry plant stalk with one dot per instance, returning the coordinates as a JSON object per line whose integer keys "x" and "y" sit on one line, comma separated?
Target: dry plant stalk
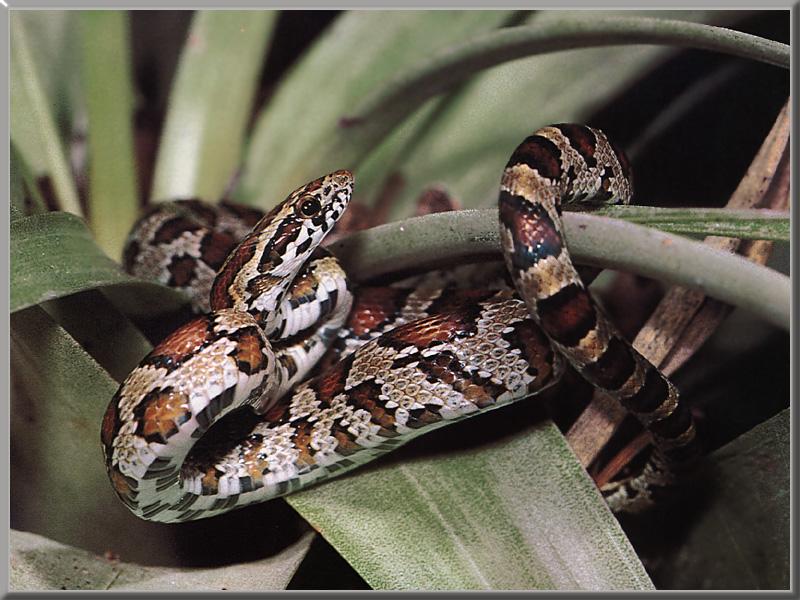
{"x": 686, "y": 318}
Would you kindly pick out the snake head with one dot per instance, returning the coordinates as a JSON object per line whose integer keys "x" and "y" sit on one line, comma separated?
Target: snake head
{"x": 260, "y": 269}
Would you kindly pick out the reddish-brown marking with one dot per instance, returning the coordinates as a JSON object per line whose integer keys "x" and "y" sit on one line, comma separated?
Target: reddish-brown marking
{"x": 364, "y": 397}
{"x": 478, "y": 395}
{"x": 249, "y": 351}
{"x": 346, "y": 446}
{"x": 248, "y": 214}
{"x": 373, "y": 307}
{"x": 173, "y": 228}
{"x": 426, "y": 417}
{"x": 540, "y": 154}
{"x": 302, "y": 441}
{"x": 122, "y": 484}
{"x": 181, "y": 270}
{"x": 184, "y": 341}
{"x": 568, "y": 315}
{"x": 220, "y": 296}
{"x": 263, "y": 283}
{"x": 303, "y": 286}
{"x": 202, "y": 211}
{"x": 209, "y": 482}
{"x": 276, "y": 412}
{"x": 582, "y": 139}
{"x": 438, "y": 328}
{"x": 536, "y": 350}
{"x": 215, "y": 248}
{"x": 331, "y": 382}
{"x": 164, "y": 414}
{"x": 109, "y": 423}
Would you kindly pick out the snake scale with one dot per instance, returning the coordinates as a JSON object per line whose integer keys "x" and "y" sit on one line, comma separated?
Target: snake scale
{"x": 222, "y": 414}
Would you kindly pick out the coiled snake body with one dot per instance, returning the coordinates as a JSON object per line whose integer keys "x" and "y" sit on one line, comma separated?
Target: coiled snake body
{"x": 277, "y": 302}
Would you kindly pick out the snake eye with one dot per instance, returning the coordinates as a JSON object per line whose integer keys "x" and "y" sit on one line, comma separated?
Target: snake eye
{"x": 310, "y": 206}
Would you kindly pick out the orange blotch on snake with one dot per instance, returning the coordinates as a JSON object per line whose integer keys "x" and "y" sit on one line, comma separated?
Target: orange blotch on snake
{"x": 184, "y": 341}
{"x": 210, "y": 481}
{"x": 249, "y": 352}
{"x": 164, "y": 414}
{"x": 477, "y": 395}
{"x": 122, "y": 485}
{"x": 345, "y": 445}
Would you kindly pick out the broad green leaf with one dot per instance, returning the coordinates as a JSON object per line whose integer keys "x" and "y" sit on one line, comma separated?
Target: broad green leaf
{"x": 58, "y": 400}
{"x": 495, "y": 505}
{"x": 391, "y": 103}
{"x": 360, "y": 50}
{"x": 33, "y": 125}
{"x": 106, "y": 76}
{"x": 210, "y": 103}
{"x": 58, "y": 479}
{"x": 109, "y": 337}
{"x": 465, "y": 149}
{"x": 53, "y": 255}
{"x": 38, "y": 563}
{"x": 740, "y": 539}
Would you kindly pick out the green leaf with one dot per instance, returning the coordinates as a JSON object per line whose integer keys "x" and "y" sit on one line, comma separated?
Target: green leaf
{"x": 59, "y": 397}
{"x": 748, "y": 224}
{"x": 210, "y": 103}
{"x": 42, "y": 564}
{"x": 465, "y": 149}
{"x": 513, "y": 510}
{"x": 54, "y": 255}
{"x": 106, "y": 76}
{"x": 33, "y": 126}
{"x": 359, "y": 51}
{"x": 740, "y": 539}
{"x": 109, "y": 337}
{"x": 390, "y": 104}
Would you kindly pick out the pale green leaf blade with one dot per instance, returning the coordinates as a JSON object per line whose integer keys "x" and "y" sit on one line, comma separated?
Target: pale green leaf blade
{"x": 42, "y": 564}
{"x": 746, "y": 224}
{"x": 59, "y": 397}
{"x": 33, "y": 126}
{"x": 106, "y": 75}
{"x": 210, "y": 103}
{"x": 467, "y": 147}
{"x": 393, "y": 102}
{"x": 53, "y": 255}
{"x": 360, "y": 50}
{"x": 513, "y": 511}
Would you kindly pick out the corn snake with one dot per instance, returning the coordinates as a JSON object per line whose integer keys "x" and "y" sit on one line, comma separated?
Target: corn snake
{"x": 276, "y": 302}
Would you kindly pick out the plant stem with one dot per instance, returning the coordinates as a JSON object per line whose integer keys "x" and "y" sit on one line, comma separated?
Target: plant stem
{"x": 593, "y": 240}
